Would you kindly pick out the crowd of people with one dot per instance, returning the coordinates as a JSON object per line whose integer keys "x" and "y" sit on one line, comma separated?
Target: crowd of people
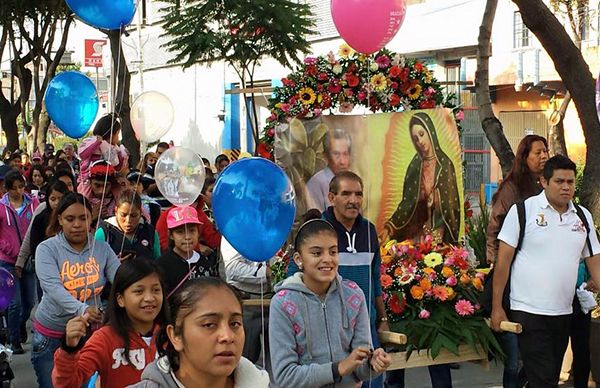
{"x": 134, "y": 292}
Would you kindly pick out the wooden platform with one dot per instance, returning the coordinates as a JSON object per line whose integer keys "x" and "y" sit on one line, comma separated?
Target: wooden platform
{"x": 466, "y": 353}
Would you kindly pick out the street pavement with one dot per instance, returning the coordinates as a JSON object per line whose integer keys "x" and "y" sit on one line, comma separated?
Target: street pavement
{"x": 468, "y": 376}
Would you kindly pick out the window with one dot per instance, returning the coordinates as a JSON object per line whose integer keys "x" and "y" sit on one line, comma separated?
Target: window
{"x": 452, "y": 77}
{"x": 522, "y": 35}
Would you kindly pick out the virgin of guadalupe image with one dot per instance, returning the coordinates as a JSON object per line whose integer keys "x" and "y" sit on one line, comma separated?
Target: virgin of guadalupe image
{"x": 430, "y": 200}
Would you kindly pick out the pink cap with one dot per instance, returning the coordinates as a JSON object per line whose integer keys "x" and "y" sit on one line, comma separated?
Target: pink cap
{"x": 36, "y": 155}
{"x": 182, "y": 215}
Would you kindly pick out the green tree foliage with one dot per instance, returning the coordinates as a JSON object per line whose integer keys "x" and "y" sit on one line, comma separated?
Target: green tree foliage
{"x": 239, "y": 32}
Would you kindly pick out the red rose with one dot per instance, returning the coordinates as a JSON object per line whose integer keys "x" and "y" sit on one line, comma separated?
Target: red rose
{"x": 323, "y": 77}
{"x": 335, "y": 87}
{"x": 311, "y": 70}
{"x": 394, "y": 100}
{"x": 394, "y": 71}
{"x": 404, "y": 74}
{"x": 352, "y": 80}
{"x": 418, "y": 66}
{"x": 394, "y": 85}
{"x": 427, "y": 104}
{"x": 397, "y": 305}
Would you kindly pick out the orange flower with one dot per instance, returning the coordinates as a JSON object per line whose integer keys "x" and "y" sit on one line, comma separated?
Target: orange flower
{"x": 425, "y": 284}
{"x": 386, "y": 259}
{"x": 447, "y": 272}
{"x": 398, "y": 271}
{"x": 386, "y": 280}
{"x": 465, "y": 279}
{"x": 416, "y": 292}
{"x": 477, "y": 284}
{"x": 428, "y": 270}
{"x": 450, "y": 292}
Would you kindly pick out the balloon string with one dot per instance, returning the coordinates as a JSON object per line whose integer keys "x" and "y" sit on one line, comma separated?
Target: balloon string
{"x": 112, "y": 124}
{"x": 368, "y": 182}
{"x": 262, "y": 318}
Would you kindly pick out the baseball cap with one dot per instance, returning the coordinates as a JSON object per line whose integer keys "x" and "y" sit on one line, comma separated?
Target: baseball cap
{"x": 182, "y": 215}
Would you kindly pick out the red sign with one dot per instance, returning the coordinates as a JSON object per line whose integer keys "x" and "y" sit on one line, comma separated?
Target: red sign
{"x": 93, "y": 52}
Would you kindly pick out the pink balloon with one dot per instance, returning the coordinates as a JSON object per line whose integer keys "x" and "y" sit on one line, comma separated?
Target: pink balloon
{"x": 368, "y": 25}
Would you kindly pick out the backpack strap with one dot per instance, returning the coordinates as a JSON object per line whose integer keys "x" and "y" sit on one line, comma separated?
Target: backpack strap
{"x": 583, "y": 219}
{"x": 522, "y": 220}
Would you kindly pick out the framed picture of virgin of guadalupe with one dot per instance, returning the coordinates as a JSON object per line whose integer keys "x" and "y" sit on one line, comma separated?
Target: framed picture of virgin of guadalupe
{"x": 410, "y": 164}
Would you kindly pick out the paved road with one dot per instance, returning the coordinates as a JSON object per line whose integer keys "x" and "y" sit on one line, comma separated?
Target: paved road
{"x": 468, "y": 376}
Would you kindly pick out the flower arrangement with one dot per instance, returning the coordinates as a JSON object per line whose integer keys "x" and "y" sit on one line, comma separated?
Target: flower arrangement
{"x": 280, "y": 264}
{"x": 385, "y": 82}
{"x": 431, "y": 294}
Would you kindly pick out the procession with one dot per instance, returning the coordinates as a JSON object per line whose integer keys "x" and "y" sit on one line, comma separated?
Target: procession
{"x": 254, "y": 193}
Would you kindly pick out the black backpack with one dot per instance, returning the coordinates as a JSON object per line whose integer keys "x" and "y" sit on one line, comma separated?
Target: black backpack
{"x": 486, "y": 296}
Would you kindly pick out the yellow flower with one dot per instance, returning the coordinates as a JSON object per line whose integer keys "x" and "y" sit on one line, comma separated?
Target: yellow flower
{"x": 379, "y": 82}
{"x": 415, "y": 92}
{"x": 432, "y": 259}
{"x": 307, "y": 96}
{"x": 386, "y": 259}
{"x": 389, "y": 244}
{"x": 450, "y": 292}
{"x": 345, "y": 51}
{"x": 428, "y": 77}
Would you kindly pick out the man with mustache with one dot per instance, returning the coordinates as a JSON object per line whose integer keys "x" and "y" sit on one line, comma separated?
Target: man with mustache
{"x": 358, "y": 247}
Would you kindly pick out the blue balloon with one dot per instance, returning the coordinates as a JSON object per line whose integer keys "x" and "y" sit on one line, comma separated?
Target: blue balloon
{"x": 254, "y": 206}
{"x": 72, "y": 103}
{"x": 106, "y": 14}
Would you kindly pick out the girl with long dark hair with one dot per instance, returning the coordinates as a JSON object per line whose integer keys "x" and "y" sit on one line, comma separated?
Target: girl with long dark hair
{"x": 72, "y": 272}
{"x": 121, "y": 349}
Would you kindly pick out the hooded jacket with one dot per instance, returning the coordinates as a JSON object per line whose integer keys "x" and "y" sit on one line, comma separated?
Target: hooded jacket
{"x": 360, "y": 260}
{"x": 13, "y": 226}
{"x": 144, "y": 243}
{"x": 104, "y": 352}
{"x": 309, "y": 336}
{"x": 158, "y": 375}
{"x": 72, "y": 281}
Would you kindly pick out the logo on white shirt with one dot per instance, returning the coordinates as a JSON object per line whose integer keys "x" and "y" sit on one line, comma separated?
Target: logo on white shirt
{"x": 541, "y": 220}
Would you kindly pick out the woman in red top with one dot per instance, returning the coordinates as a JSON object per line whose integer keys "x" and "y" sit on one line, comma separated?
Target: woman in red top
{"x": 119, "y": 351}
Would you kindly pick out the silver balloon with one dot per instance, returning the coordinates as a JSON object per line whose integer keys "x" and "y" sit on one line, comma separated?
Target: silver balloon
{"x": 179, "y": 174}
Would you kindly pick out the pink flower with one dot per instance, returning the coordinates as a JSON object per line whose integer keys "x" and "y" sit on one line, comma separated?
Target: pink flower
{"x": 383, "y": 61}
{"x": 285, "y": 107}
{"x": 480, "y": 275}
{"x": 331, "y": 58}
{"x": 451, "y": 281}
{"x": 273, "y": 117}
{"x": 429, "y": 92}
{"x": 317, "y": 111}
{"x": 310, "y": 60}
{"x": 464, "y": 308}
{"x": 460, "y": 115}
{"x": 271, "y": 132}
{"x": 361, "y": 96}
{"x": 424, "y": 314}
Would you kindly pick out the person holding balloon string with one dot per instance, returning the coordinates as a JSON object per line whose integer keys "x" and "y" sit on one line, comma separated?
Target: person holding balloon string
{"x": 103, "y": 145}
{"x": 72, "y": 273}
{"x": 319, "y": 324}
{"x": 104, "y": 190}
{"x": 121, "y": 349}
{"x": 141, "y": 184}
{"x": 181, "y": 262}
{"x": 128, "y": 233}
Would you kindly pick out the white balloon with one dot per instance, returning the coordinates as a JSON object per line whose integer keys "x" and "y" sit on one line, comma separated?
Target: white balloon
{"x": 179, "y": 175}
{"x": 152, "y": 115}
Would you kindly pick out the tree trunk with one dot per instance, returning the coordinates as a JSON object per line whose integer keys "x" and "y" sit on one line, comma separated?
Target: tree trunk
{"x": 577, "y": 78}
{"x": 556, "y": 133}
{"x": 489, "y": 122}
{"x": 42, "y": 130}
{"x": 122, "y": 103}
{"x": 9, "y": 112}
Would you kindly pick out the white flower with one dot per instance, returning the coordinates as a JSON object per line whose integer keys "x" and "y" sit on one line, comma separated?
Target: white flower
{"x": 374, "y": 66}
{"x": 337, "y": 69}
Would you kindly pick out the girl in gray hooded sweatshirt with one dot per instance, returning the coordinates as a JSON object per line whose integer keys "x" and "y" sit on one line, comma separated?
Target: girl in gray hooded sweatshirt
{"x": 72, "y": 273}
{"x": 319, "y": 328}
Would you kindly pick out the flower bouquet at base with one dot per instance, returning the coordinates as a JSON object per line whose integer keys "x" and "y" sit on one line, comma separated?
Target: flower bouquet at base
{"x": 431, "y": 295}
